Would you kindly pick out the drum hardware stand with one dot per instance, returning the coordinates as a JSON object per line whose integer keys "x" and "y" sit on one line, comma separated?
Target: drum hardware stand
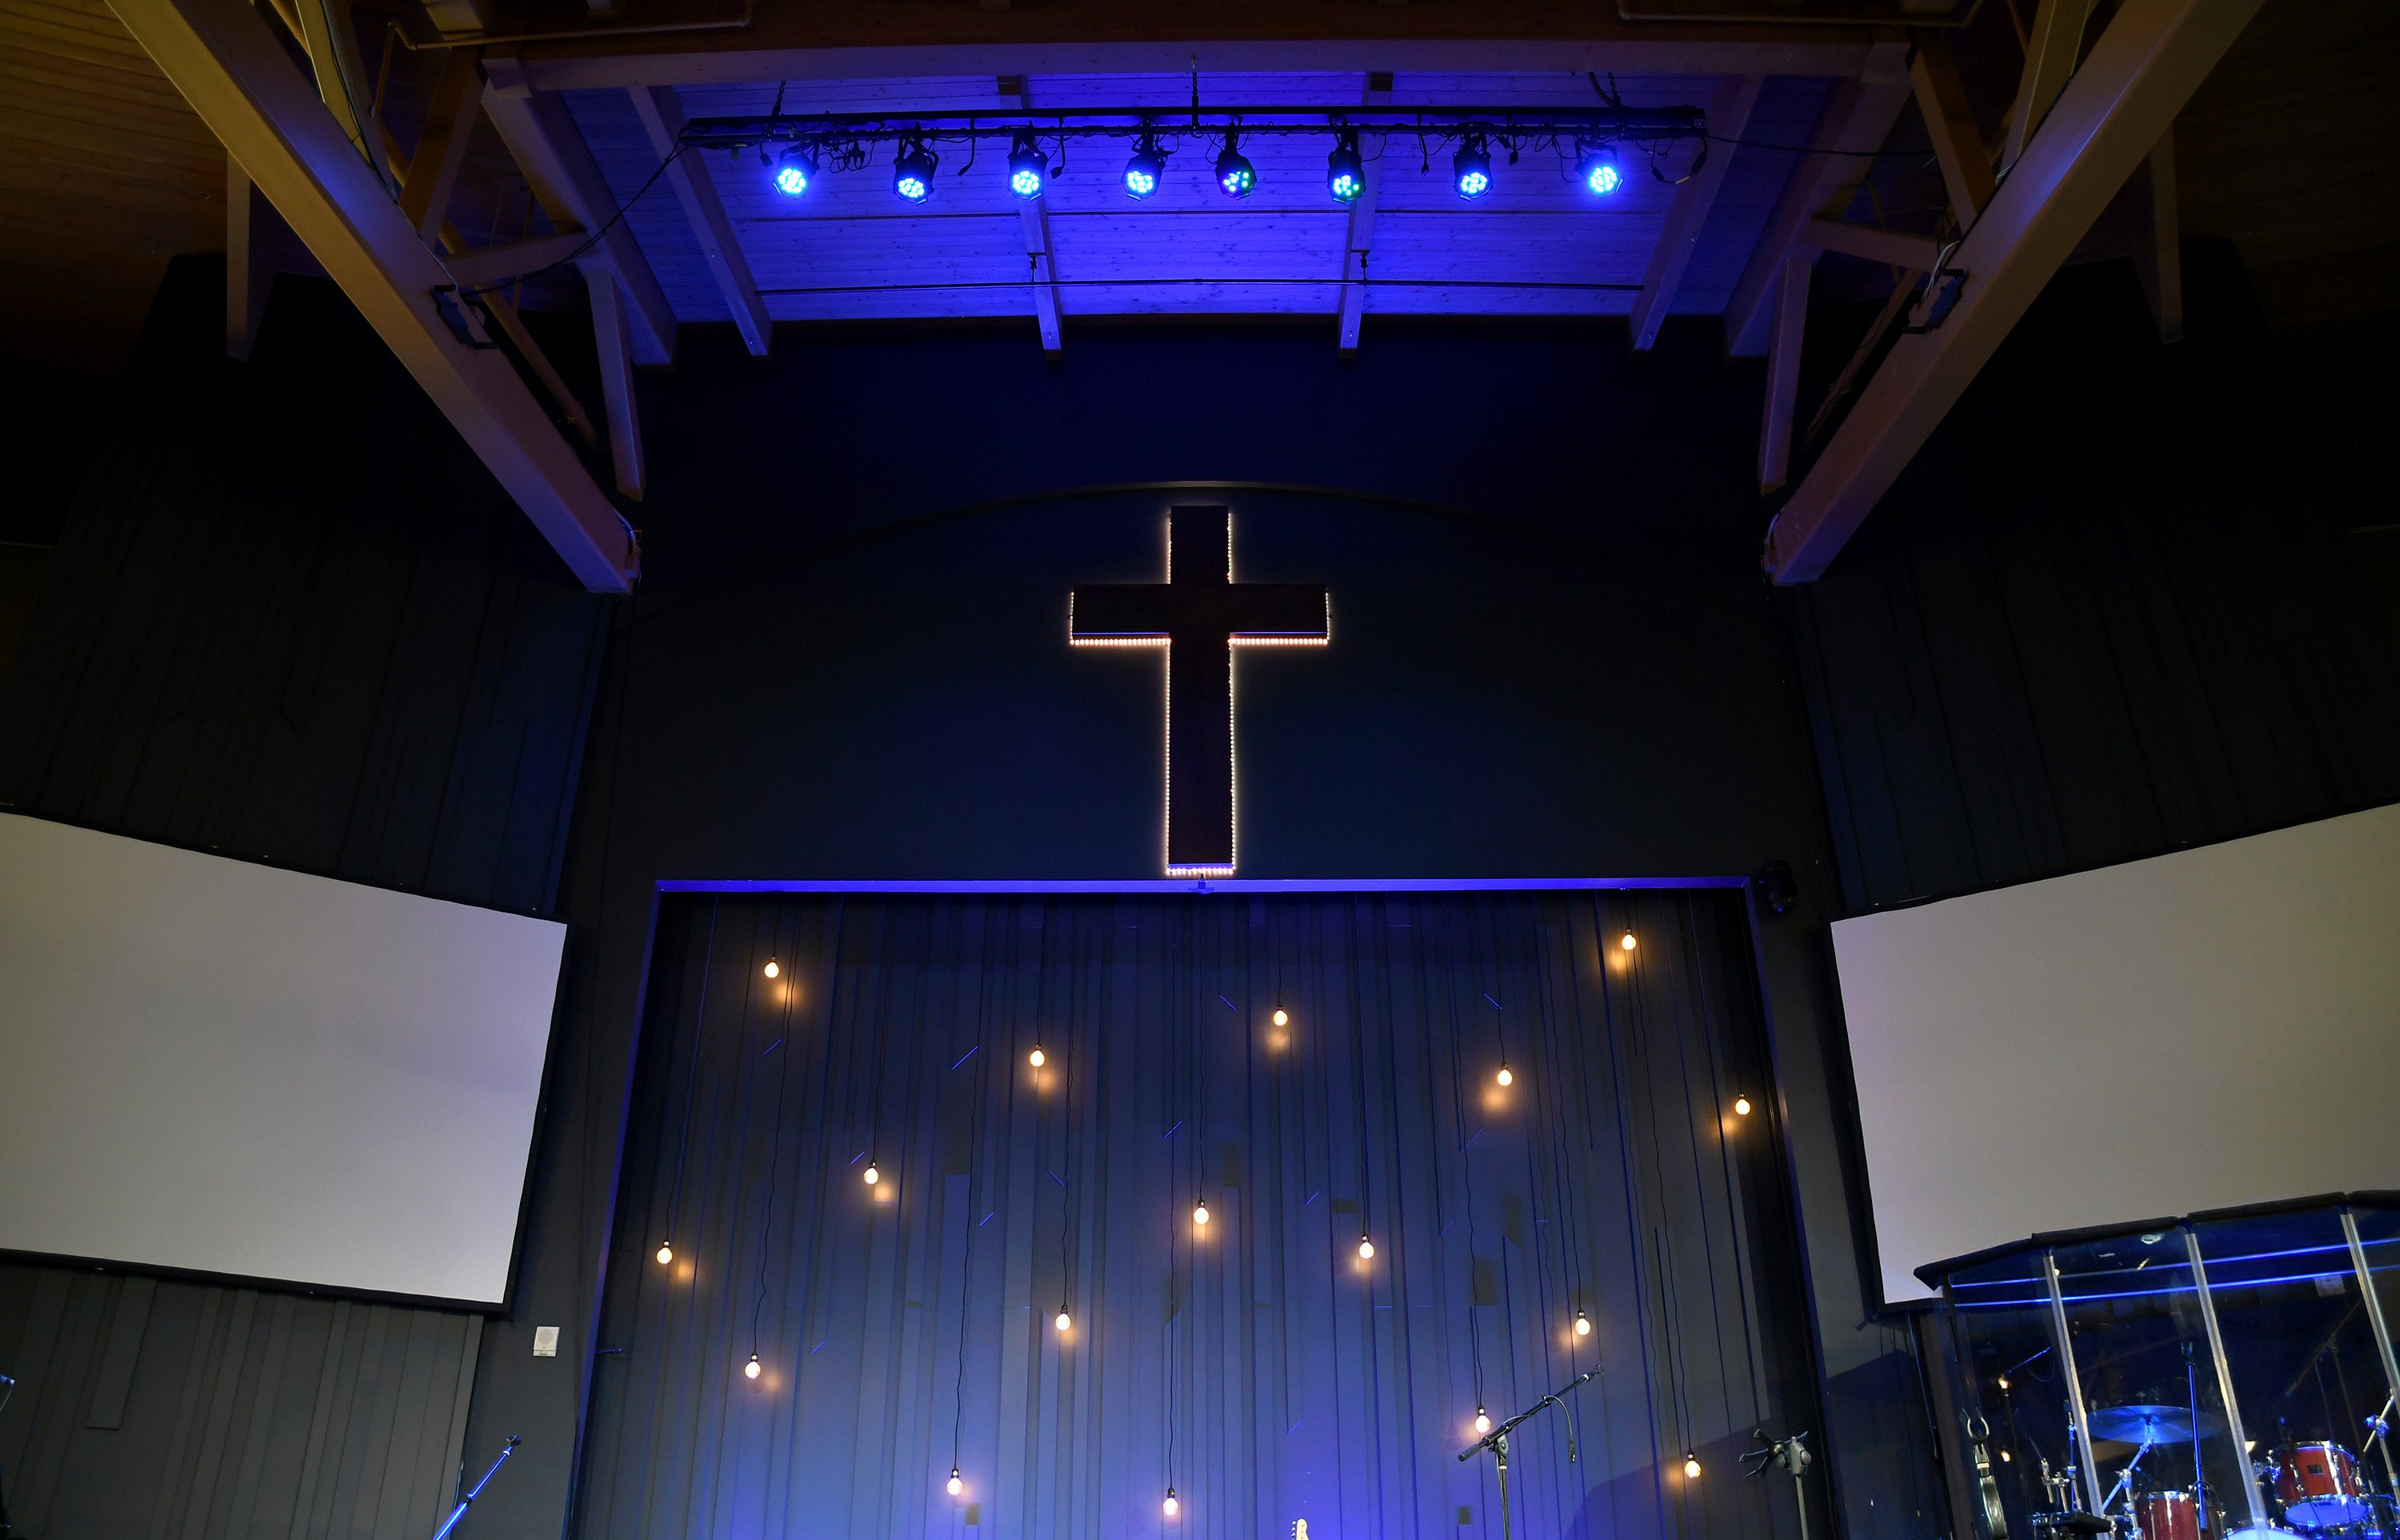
{"x": 2125, "y": 1477}
{"x": 1497, "y": 1439}
{"x": 1995, "y": 1519}
{"x": 1793, "y": 1457}
{"x": 2379, "y": 1435}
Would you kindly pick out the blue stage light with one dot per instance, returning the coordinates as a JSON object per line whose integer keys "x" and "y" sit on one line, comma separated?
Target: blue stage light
{"x": 1471, "y": 167}
{"x": 1147, "y": 167}
{"x": 1345, "y": 170}
{"x": 1027, "y": 166}
{"x": 912, "y": 170}
{"x": 794, "y": 169}
{"x": 1235, "y": 175}
{"x": 1596, "y": 166}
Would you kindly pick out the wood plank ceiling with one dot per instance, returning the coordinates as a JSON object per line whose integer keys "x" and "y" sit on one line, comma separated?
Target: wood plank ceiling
{"x": 106, "y": 174}
{"x": 1537, "y": 244}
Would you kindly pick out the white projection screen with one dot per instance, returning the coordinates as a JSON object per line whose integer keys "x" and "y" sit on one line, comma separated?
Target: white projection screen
{"x": 212, "y": 1066}
{"x": 2197, "y": 1031}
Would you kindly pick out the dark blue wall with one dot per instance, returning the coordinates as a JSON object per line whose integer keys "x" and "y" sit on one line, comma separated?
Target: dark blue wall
{"x": 1552, "y": 655}
{"x": 2114, "y": 609}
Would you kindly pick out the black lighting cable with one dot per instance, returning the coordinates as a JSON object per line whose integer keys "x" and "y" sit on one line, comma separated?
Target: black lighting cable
{"x": 1466, "y": 1195}
{"x": 692, "y": 1080}
{"x": 774, "y": 1156}
{"x": 680, "y": 148}
{"x": 966, "y": 1255}
{"x": 1550, "y": 1100}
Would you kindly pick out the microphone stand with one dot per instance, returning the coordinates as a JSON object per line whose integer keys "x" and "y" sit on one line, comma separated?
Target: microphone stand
{"x": 459, "y": 1512}
{"x": 1793, "y": 1455}
{"x": 1497, "y": 1439}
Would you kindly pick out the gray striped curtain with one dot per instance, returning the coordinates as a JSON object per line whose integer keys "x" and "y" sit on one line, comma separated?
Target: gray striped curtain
{"x": 1257, "y": 1364}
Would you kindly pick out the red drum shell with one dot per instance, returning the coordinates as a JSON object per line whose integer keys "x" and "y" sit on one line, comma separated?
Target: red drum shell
{"x": 2318, "y": 1486}
{"x": 2168, "y": 1516}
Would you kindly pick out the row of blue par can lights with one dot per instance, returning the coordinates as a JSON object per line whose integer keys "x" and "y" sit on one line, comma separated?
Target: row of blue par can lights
{"x": 1345, "y": 168}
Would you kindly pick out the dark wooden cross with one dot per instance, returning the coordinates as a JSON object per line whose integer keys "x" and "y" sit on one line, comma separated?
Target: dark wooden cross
{"x": 1199, "y": 615}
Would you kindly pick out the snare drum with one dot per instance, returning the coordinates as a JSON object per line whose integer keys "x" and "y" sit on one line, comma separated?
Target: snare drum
{"x": 2168, "y": 1516}
{"x": 2318, "y": 1486}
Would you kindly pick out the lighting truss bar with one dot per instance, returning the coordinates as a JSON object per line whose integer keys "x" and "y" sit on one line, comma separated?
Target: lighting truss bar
{"x": 1646, "y": 124}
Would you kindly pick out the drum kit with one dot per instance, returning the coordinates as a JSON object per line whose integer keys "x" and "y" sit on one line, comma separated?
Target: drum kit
{"x": 2309, "y": 1490}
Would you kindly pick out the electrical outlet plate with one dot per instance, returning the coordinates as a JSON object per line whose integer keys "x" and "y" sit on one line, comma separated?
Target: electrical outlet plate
{"x": 545, "y": 1342}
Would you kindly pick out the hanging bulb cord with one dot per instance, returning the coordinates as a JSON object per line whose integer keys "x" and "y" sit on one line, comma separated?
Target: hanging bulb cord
{"x": 774, "y": 1164}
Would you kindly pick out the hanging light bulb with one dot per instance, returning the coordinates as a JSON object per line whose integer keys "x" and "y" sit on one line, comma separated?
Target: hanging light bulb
{"x": 1365, "y": 1248}
{"x": 1281, "y": 1017}
{"x": 1482, "y": 1420}
{"x": 1171, "y": 1507}
{"x": 666, "y": 1252}
{"x": 1504, "y": 1077}
{"x": 1064, "y": 1320}
{"x": 1036, "y": 1058}
{"x": 956, "y": 1485}
{"x": 1741, "y": 1106}
{"x": 750, "y": 1369}
{"x": 872, "y": 1174}
{"x": 2004, "y": 1457}
{"x": 2004, "y": 1382}
{"x": 1583, "y": 1324}
{"x": 1627, "y": 940}
{"x": 772, "y": 968}
{"x": 1199, "y": 1213}
{"x": 1691, "y": 1467}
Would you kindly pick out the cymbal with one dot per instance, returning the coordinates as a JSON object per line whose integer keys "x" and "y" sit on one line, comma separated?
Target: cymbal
{"x": 2148, "y": 1424}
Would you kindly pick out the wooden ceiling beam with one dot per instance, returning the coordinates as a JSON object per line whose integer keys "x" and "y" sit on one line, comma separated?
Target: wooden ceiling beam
{"x": 2112, "y": 114}
{"x": 2161, "y": 262}
{"x": 615, "y": 345}
{"x": 1856, "y": 120}
{"x": 1728, "y": 114}
{"x": 795, "y": 43}
{"x": 500, "y": 263}
{"x": 2053, "y": 46}
{"x": 1950, "y": 122}
{"x": 1041, "y": 257}
{"x": 662, "y": 120}
{"x": 1362, "y": 236}
{"x": 542, "y": 136}
{"x": 1784, "y": 371}
{"x": 441, "y": 148}
{"x": 1873, "y": 243}
{"x": 229, "y": 67}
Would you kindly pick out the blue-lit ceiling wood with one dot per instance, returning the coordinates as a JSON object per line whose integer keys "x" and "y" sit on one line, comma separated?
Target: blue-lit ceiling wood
{"x": 850, "y": 249}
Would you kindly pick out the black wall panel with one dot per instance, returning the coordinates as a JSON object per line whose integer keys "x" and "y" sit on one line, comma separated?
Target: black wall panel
{"x": 291, "y": 619}
{"x": 183, "y": 1410}
{"x": 2111, "y": 610}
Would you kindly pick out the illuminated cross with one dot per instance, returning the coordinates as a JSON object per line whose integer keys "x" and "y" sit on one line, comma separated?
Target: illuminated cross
{"x": 1200, "y": 615}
